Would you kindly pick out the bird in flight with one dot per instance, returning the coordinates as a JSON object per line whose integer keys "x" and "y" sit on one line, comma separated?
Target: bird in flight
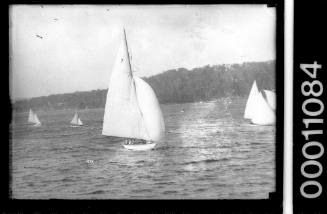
{"x": 39, "y": 36}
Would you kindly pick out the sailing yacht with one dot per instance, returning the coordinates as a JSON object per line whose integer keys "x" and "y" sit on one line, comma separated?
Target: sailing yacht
{"x": 132, "y": 110}
{"x": 259, "y": 110}
{"x": 76, "y": 121}
{"x": 33, "y": 118}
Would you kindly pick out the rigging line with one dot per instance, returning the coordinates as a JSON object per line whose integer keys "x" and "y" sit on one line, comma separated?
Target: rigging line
{"x": 129, "y": 63}
{"x": 133, "y": 82}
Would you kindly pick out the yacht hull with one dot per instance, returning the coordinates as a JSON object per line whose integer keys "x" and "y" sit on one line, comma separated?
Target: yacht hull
{"x": 139, "y": 147}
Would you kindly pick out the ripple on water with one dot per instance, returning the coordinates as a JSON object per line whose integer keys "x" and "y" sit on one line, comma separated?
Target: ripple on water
{"x": 96, "y": 192}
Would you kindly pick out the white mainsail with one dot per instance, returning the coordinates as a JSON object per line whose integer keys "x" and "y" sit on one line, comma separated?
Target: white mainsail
{"x": 271, "y": 98}
{"x": 75, "y": 118}
{"x": 250, "y": 108}
{"x": 264, "y": 115}
{"x": 31, "y": 117}
{"x": 132, "y": 109}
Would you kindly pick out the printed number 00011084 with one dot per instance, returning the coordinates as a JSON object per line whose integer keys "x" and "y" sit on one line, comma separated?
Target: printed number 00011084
{"x": 313, "y": 90}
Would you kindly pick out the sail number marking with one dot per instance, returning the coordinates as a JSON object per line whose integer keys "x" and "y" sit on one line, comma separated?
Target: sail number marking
{"x": 312, "y": 107}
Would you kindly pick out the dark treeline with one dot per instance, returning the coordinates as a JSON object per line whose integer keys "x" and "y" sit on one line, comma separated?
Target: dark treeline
{"x": 174, "y": 86}
{"x": 76, "y": 100}
{"x": 212, "y": 82}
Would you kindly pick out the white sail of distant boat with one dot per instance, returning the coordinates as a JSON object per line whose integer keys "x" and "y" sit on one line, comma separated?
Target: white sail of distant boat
{"x": 79, "y": 122}
{"x": 264, "y": 115}
{"x": 33, "y": 118}
{"x": 132, "y": 109}
{"x": 76, "y": 121}
{"x": 250, "y": 108}
{"x": 271, "y": 98}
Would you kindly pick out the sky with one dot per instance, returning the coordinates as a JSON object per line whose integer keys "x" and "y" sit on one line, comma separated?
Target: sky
{"x": 66, "y": 48}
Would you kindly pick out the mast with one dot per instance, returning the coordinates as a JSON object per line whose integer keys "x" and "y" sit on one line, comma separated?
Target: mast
{"x": 129, "y": 63}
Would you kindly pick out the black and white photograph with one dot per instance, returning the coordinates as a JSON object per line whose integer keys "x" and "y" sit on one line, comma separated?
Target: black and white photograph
{"x": 142, "y": 101}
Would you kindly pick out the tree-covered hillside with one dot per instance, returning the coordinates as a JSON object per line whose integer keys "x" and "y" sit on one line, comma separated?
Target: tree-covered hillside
{"x": 212, "y": 82}
{"x": 174, "y": 86}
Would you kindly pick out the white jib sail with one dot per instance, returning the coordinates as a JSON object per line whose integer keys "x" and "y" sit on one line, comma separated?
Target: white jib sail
{"x": 250, "y": 104}
{"x": 263, "y": 115}
{"x": 122, "y": 116}
{"x": 36, "y": 119}
{"x": 271, "y": 98}
{"x": 150, "y": 109}
{"x": 79, "y": 122}
{"x": 31, "y": 117}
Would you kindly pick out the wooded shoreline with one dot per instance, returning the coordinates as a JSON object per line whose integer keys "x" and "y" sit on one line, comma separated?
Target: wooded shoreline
{"x": 173, "y": 86}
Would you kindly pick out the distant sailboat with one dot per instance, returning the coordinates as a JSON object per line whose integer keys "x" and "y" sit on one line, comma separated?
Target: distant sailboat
{"x": 132, "y": 110}
{"x": 271, "y": 98}
{"x": 250, "y": 107}
{"x": 76, "y": 121}
{"x": 33, "y": 118}
{"x": 257, "y": 109}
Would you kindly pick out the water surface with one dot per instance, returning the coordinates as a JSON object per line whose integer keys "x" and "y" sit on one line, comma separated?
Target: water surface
{"x": 209, "y": 152}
